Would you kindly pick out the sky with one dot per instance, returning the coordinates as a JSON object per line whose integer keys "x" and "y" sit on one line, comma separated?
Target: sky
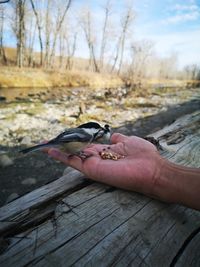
{"x": 172, "y": 25}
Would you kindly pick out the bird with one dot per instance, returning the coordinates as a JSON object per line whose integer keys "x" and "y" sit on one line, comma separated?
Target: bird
{"x": 74, "y": 140}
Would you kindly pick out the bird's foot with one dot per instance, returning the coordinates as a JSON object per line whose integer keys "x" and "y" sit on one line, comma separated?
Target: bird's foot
{"x": 82, "y": 155}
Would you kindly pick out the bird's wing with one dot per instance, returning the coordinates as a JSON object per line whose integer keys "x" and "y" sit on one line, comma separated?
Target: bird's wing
{"x": 72, "y": 135}
{"x": 36, "y": 147}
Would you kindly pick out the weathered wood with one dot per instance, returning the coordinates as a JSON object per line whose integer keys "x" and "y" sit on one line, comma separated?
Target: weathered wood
{"x": 71, "y": 222}
{"x": 38, "y": 204}
{"x": 181, "y": 140}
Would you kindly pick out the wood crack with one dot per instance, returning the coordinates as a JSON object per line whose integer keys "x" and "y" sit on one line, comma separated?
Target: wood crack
{"x": 183, "y": 247}
{"x": 40, "y": 213}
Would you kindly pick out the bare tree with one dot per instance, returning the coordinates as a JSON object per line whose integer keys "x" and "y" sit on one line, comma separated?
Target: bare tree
{"x": 59, "y": 21}
{"x": 39, "y": 26}
{"x": 107, "y": 10}
{"x": 116, "y": 53}
{"x": 126, "y": 22}
{"x": 61, "y": 47}
{"x": 30, "y": 38}
{"x": 19, "y": 29}
{"x": 67, "y": 43}
{"x": 194, "y": 69}
{"x": 2, "y": 51}
{"x": 86, "y": 24}
{"x": 141, "y": 51}
{"x": 71, "y": 48}
{"x": 48, "y": 26}
{"x": 168, "y": 66}
{"x": 192, "y": 72}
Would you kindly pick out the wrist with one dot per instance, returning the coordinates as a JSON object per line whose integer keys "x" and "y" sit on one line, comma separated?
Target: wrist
{"x": 178, "y": 184}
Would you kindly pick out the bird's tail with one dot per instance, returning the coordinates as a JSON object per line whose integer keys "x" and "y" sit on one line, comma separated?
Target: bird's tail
{"x": 34, "y": 148}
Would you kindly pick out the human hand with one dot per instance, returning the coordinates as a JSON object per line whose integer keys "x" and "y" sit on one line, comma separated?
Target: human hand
{"x": 137, "y": 170}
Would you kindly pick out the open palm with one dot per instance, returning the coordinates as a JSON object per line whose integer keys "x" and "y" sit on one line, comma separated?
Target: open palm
{"x": 136, "y": 170}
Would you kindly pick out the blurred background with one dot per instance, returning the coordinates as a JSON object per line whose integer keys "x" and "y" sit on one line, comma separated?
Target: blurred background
{"x": 132, "y": 64}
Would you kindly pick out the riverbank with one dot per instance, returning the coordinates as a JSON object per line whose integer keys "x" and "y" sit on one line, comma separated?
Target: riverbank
{"x": 13, "y": 77}
{"x": 41, "y": 116}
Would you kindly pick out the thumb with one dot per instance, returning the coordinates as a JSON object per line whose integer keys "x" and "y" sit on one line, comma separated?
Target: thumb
{"x": 117, "y": 137}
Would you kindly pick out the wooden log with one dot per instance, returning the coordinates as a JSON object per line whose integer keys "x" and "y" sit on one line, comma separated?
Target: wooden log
{"x": 180, "y": 140}
{"x": 15, "y": 213}
{"x": 75, "y": 222}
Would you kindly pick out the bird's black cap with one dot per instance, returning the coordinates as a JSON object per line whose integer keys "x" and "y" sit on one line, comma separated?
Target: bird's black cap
{"x": 89, "y": 125}
{"x": 107, "y": 128}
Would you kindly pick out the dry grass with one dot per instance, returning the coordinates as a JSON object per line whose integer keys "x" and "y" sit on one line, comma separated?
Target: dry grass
{"x": 11, "y": 77}
{"x": 173, "y": 83}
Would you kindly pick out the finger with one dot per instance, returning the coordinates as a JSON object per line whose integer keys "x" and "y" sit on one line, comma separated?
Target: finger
{"x": 72, "y": 161}
{"x": 45, "y": 149}
{"x": 117, "y": 137}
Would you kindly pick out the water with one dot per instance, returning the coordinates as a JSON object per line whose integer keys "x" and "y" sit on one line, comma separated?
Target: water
{"x": 13, "y": 94}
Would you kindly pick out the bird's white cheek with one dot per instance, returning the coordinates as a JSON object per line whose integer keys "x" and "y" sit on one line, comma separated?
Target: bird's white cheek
{"x": 91, "y": 131}
{"x": 108, "y": 135}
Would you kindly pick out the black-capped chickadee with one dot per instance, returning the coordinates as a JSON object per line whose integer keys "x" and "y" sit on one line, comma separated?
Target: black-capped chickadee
{"x": 74, "y": 140}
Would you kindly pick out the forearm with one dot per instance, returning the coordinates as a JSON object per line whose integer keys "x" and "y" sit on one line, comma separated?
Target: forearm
{"x": 179, "y": 184}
